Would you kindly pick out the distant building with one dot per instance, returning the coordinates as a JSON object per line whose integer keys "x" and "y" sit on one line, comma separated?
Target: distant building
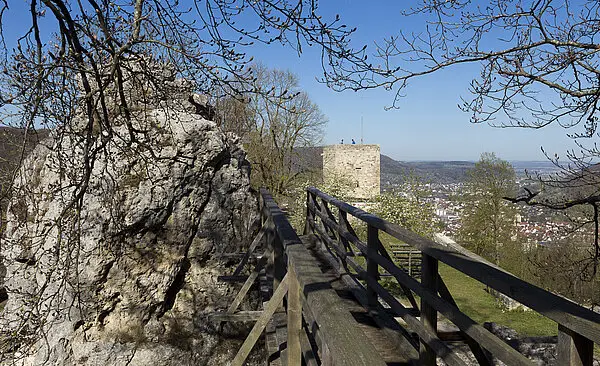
{"x": 356, "y": 164}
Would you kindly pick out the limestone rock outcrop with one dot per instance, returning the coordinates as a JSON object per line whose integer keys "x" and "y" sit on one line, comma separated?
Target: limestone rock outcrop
{"x": 125, "y": 273}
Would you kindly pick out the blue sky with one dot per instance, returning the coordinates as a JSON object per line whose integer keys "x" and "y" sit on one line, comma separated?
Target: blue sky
{"x": 428, "y": 125}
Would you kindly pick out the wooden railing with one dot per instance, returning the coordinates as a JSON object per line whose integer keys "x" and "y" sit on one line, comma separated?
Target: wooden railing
{"x": 327, "y": 218}
{"x": 319, "y": 330}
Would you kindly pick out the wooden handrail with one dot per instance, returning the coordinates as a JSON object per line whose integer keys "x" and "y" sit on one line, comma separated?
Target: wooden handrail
{"x": 578, "y": 327}
{"x": 561, "y": 310}
{"x": 311, "y": 299}
{"x": 462, "y": 321}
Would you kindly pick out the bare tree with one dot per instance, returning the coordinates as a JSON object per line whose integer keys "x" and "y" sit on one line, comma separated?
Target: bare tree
{"x": 80, "y": 67}
{"x": 88, "y": 70}
{"x": 79, "y": 57}
{"x": 275, "y": 120}
{"x": 283, "y": 119}
{"x": 539, "y": 65}
{"x": 233, "y": 114}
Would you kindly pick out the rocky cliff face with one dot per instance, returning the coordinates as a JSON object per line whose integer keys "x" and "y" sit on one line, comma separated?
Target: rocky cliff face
{"x": 125, "y": 273}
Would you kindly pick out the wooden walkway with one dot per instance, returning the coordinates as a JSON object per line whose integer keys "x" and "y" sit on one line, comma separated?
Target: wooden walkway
{"x": 393, "y": 349}
{"x": 324, "y": 302}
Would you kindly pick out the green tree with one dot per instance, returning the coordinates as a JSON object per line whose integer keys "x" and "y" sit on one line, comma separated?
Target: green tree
{"x": 561, "y": 267}
{"x": 488, "y": 220}
{"x": 409, "y": 208}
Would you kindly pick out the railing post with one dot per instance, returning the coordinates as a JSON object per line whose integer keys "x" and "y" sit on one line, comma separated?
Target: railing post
{"x": 372, "y": 266}
{"x": 342, "y": 224}
{"x": 573, "y": 349}
{"x": 294, "y": 319}
{"x": 269, "y": 245}
{"x": 309, "y": 217}
{"x": 279, "y": 265}
{"x": 429, "y": 279}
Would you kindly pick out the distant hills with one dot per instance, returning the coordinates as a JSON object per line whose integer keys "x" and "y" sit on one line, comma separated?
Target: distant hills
{"x": 395, "y": 172}
{"x": 452, "y": 171}
{"x": 392, "y": 171}
{"x": 541, "y": 167}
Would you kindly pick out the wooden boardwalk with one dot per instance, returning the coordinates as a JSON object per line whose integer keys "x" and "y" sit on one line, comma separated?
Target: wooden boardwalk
{"x": 393, "y": 349}
{"x": 325, "y": 303}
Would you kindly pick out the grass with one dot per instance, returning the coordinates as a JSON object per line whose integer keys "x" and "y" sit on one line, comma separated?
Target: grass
{"x": 473, "y": 300}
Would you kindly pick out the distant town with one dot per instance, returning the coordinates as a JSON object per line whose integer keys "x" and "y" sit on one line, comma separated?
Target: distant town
{"x": 445, "y": 181}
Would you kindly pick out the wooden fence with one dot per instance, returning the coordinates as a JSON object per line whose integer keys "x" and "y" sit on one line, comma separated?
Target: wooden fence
{"x": 327, "y": 217}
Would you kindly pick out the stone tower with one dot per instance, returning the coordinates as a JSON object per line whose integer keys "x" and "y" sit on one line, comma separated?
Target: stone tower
{"x": 357, "y": 164}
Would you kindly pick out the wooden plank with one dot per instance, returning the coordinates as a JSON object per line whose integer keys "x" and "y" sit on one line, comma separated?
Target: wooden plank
{"x": 280, "y": 319}
{"x": 409, "y": 295}
{"x": 261, "y": 323}
{"x": 343, "y": 222}
{"x": 257, "y": 240}
{"x": 380, "y": 248}
{"x": 232, "y": 278}
{"x": 429, "y": 276}
{"x": 311, "y": 329}
{"x": 426, "y": 335}
{"x": 242, "y": 293}
{"x": 310, "y": 219}
{"x": 429, "y": 337}
{"x": 574, "y": 349}
{"x": 325, "y": 209}
{"x": 310, "y": 359}
{"x": 489, "y": 341}
{"x": 557, "y": 308}
{"x": 339, "y": 330}
{"x": 383, "y": 317}
{"x": 240, "y": 316}
{"x": 351, "y": 237}
{"x": 330, "y": 244}
{"x": 272, "y": 346}
{"x": 279, "y": 267}
{"x": 326, "y": 357}
{"x": 294, "y": 320}
{"x": 247, "y": 285}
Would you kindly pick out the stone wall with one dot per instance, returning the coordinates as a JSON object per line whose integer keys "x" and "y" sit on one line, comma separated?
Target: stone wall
{"x": 357, "y": 164}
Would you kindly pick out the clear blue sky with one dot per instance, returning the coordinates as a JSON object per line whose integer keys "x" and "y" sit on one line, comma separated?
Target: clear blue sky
{"x": 428, "y": 125}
